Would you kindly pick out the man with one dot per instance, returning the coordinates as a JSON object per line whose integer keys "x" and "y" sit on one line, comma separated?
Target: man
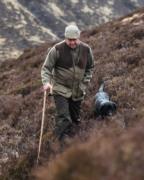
{"x": 66, "y": 73}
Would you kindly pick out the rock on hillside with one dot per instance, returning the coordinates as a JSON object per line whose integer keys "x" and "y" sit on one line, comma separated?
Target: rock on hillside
{"x": 111, "y": 148}
{"x": 27, "y": 23}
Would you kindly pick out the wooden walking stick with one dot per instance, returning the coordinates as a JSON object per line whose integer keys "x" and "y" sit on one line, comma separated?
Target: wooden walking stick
{"x": 42, "y": 125}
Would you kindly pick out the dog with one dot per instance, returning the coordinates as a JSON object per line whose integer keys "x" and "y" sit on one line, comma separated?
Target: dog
{"x": 103, "y": 105}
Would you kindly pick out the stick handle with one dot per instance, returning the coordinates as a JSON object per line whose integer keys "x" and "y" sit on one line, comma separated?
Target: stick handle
{"x": 42, "y": 125}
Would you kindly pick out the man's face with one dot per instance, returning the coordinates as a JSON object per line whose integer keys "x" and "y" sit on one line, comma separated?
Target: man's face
{"x": 72, "y": 43}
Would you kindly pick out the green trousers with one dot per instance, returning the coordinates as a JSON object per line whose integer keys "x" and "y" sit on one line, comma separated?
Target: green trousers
{"x": 67, "y": 113}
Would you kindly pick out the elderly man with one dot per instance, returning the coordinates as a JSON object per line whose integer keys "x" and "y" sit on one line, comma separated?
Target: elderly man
{"x": 66, "y": 73}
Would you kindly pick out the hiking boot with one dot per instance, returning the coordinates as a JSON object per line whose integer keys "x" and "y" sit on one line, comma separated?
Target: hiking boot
{"x": 62, "y": 128}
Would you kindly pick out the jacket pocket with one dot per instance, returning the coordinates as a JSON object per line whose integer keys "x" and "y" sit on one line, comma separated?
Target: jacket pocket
{"x": 59, "y": 89}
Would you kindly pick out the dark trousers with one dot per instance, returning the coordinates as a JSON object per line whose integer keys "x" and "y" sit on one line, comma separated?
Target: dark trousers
{"x": 68, "y": 112}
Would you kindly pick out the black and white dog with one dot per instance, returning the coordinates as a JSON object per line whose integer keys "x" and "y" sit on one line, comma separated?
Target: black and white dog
{"x": 103, "y": 105}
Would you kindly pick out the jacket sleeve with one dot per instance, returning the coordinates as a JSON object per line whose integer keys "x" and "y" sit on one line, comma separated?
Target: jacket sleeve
{"x": 89, "y": 67}
{"x": 47, "y": 68}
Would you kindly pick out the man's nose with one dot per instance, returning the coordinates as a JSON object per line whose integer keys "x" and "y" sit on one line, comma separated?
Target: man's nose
{"x": 73, "y": 42}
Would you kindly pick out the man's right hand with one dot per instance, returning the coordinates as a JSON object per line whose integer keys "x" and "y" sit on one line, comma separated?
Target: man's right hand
{"x": 48, "y": 87}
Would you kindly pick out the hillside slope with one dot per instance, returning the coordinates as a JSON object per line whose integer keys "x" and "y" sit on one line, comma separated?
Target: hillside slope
{"x": 27, "y": 23}
{"x": 114, "y": 144}
{"x": 114, "y": 148}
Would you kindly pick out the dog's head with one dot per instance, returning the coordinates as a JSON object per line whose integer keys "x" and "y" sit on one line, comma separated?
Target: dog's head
{"x": 107, "y": 108}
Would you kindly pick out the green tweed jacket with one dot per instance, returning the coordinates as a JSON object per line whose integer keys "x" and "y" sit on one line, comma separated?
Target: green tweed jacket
{"x": 68, "y": 70}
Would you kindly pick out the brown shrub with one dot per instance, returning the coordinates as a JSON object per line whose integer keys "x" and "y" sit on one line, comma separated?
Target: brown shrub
{"x": 107, "y": 155}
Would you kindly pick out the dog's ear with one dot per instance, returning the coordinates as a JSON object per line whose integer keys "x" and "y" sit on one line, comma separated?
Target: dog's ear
{"x": 114, "y": 107}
